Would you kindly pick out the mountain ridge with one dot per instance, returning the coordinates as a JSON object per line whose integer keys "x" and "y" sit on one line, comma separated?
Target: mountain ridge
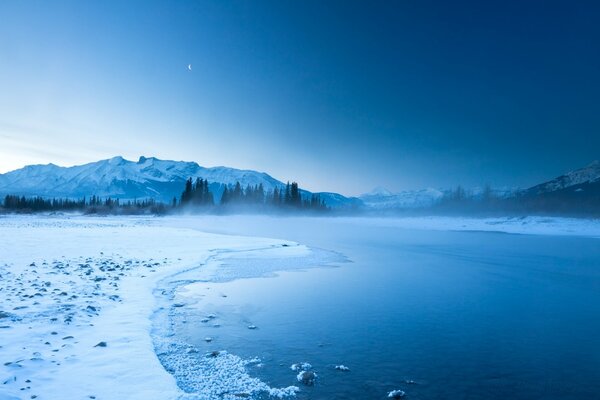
{"x": 581, "y": 176}
{"x": 583, "y": 182}
{"x": 149, "y": 177}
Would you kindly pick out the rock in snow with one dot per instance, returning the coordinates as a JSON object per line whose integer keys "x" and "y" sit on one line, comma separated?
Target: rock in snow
{"x": 396, "y": 394}
{"x": 342, "y": 368}
{"x": 301, "y": 366}
{"x": 307, "y": 378}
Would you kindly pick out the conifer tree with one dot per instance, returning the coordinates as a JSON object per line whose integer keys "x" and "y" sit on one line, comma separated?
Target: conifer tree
{"x": 225, "y": 197}
{"x": 295, "y": 198}
{"x": 237, "y": 192}
{"x": 288, "y": 194}
{"x": 186, "y": 196}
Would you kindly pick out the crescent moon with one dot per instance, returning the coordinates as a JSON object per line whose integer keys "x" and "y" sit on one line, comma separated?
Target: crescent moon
{"x": 189, "y": 67}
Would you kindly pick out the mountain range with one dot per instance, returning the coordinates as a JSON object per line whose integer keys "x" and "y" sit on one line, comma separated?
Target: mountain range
{"x": 162, "y": 180}
{"x": 581, "y": 186}
{"x": 149, "y": 177}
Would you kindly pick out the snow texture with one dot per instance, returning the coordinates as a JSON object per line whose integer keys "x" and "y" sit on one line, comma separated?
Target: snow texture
{"x": 396, "y": 394}
{"x": 81, "y": 315}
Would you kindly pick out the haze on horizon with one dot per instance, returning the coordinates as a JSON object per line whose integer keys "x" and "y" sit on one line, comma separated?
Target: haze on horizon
{"x": 340, "y": 96}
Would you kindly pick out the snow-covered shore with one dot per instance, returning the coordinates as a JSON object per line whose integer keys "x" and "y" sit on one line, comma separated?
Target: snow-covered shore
{"x": 77, "y": 303}
{"x": 85, "y": 301}
{"x": 526, "y": 225}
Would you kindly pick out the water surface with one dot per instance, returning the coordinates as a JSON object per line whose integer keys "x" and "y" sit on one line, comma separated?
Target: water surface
{"x": 462, "y": 315}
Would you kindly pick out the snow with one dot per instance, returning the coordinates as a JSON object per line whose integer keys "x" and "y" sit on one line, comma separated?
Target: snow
{"x": 304, "y": 366}
{"x": 123, "y": 178}
{"x": 379, "y": 191}
{"x": 532, "y": 225}
{"x": 164, "y": 179}
{"x": 396, "y": 394}
{"x": 307, "y": 378}
{"x": 590, "y": 173}
{"x": 70, "y": 284}
{"x": 381, "y": 198}
{"x": 149, "y": 177}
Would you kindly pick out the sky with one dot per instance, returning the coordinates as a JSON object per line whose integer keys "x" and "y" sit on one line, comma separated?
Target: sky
{"x": 338, "y": 95}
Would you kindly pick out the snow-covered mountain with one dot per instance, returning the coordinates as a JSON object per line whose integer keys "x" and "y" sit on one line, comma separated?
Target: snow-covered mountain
{"x": 579, "y": 177}
{"x": 149, "y": 177}
{"x": 576, "y": 192}
{"x": 162, "y": 180}
{"x": 381, "y": 198}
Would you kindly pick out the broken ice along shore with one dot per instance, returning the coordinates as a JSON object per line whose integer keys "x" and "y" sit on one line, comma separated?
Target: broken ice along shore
{"x": 86, "y": 308}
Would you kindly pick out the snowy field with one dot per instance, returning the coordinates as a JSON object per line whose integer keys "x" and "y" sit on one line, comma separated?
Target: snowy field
{"x": 77, "y": 305}
{"x": 85, "y": 302}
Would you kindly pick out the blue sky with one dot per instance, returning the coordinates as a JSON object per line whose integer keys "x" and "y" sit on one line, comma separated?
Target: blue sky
{"x": 340, "y": 96}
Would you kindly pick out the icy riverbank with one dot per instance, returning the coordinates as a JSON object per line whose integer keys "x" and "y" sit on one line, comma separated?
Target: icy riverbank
{"x": 86, "y": 303}
{"x": 77, "y": 303}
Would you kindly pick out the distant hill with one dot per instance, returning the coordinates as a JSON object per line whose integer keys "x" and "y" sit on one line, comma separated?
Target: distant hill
{"x": 576, "y": 180}
{"x": 576, "y": 191}
{"x": 149, "y": 177}
{"x": 382, "y": 199}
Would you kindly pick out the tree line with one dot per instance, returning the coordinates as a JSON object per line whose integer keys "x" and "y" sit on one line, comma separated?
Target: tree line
{"x": 196, "y": 195}
{"x": 567, "y": 202}
{"x": 253, "y": 197}
{"x": 93, "y": 205}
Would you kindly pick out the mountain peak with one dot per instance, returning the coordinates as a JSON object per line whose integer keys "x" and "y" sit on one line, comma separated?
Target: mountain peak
{"x": 380, "y": 191}
{"x": 143, "y": 159}
{"x": 117, "y": 160}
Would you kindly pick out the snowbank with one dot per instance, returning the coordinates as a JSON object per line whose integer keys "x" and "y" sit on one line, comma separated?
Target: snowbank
{"x": 532, "y": 225}
{"x": 77, "y": 302}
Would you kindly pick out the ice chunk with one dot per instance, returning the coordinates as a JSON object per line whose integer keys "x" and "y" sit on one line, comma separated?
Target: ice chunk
{"x": 396, "y": 394}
